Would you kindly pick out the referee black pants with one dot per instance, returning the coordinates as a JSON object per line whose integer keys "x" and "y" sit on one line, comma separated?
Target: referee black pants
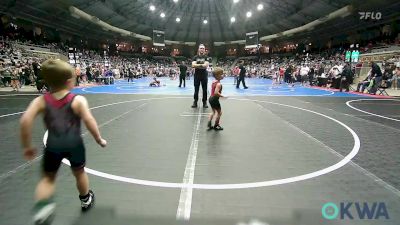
{"x": 241, "y": 79}
{"x": 182, "y": 79}
{"x": 203, "y": 80}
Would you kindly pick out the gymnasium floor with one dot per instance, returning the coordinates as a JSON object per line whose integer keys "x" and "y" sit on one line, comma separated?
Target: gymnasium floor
{"x": 284, "y": 153}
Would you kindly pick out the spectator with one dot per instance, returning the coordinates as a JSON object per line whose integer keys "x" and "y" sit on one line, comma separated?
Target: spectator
{"x": 364, "y": 83}
{"x": 346, "y": 78}
{"x": 376, "y": 73}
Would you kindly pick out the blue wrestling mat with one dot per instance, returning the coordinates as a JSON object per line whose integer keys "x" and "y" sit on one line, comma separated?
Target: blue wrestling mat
{"x": 257, "y": 87}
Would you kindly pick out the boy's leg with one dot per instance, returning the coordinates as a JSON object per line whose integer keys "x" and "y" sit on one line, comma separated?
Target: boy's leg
{"x": 45, "y": 207}
{"x": 219, "y": 113}
{"x": 46, "y": 186}
{"x": 209, "y": 125}
{"x": 78, "y": 161}
{"x": 82, "y": 181}
{"x": 51, "y": 163}
{"x": 217, "y": 126}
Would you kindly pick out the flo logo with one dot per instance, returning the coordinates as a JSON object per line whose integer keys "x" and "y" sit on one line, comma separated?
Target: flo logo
{"x": 355, "y": 210}
{"x": 370, "y": 15}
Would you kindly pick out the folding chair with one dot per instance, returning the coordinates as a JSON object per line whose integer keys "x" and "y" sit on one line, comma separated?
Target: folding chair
{"x": 383, "y": 86}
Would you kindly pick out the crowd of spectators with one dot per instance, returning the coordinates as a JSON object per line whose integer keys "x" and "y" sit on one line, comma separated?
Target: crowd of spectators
{"x": 19, "y": 67}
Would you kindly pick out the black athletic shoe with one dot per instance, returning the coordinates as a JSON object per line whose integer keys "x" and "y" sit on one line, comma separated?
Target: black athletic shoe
{"x": 246, "y": 87}
{"x": 205, "y": 106}
{"x": 194, "y": 105}
{"x": 87, "y": 203}
{"x": 218, "y": 127}
{"x": 44, "y": 213}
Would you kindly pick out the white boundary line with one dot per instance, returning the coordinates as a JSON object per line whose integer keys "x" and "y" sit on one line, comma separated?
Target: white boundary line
{"x": 372, "y": 114}
{"x": 20, "y": 167}
{"x": 355, "y": 165}
{"x": 338, "y": 165}
{"x": 17, "y": 113}
{"x": 185, "y": 199}
{"x": 11, "y": 114}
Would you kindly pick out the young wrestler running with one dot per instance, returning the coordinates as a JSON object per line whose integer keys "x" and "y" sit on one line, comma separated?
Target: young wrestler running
{"x": 63, "y": 113}
{"x": 216, "y": 90}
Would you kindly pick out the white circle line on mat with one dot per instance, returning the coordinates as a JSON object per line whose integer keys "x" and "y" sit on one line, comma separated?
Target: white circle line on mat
{"x": 336, "y": 166}
{"x": 372, "y": 114}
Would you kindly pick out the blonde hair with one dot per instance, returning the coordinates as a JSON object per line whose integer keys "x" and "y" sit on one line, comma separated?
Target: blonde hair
{"x": 56, "y": 72}
{"x": 217, "y": 72}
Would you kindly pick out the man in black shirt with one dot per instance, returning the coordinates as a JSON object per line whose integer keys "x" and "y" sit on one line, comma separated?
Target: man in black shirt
{"x": 242, "y": 75}
{"x": 200, "y": 64}
{"x": 182, "y": 74}
{"x": 346, "y": 78}
{"x": 376, "y": 73}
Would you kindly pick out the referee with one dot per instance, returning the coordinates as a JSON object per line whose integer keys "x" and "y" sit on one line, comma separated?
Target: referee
{"x": 200, "y": 64}
{"x": 182, "y": 74}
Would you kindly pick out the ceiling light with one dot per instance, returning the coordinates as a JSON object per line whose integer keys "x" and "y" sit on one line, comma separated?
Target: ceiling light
{"x": 235, "y": 1}
{"x": 260, "y": 6}
{"x": 152, "y": 7}
{"x": 248, "y": 14}
{"x": 233, "y": 19}
{"x": 162, "y": 15}
{"x": 205, "y": 21}
{"x": 178, "y": 19}
{"x": 175, "y": 1}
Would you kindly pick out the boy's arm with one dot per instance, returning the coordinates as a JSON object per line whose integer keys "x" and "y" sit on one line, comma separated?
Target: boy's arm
{"x": 81, "y": 107}
{"x": 26, "y": 122}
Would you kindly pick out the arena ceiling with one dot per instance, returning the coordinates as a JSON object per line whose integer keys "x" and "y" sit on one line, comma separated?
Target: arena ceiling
{"x": 136, "y": 16}
{"x": 276, "y": 16}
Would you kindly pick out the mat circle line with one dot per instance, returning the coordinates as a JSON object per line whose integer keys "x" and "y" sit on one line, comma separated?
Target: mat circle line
{"x": 336, "y": 166}
{"x": 369, "y": 113}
